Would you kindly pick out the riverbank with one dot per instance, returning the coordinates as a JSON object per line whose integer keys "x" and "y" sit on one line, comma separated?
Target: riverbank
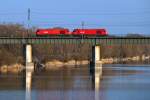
{"x": 14, "y": 68}
{"x": 51, "y": 65}
{"x": 129, "y": 60}
{"x": 56, "y": 64}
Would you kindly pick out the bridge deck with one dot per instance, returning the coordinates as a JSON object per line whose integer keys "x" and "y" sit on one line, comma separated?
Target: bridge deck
{"x": 74, "y": 40}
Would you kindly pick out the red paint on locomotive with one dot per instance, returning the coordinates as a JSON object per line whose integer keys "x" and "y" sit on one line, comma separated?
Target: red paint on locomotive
{"x": 89, "y": 32}
{"x": 42, "y": 32}
{"x": 52, "y": 32}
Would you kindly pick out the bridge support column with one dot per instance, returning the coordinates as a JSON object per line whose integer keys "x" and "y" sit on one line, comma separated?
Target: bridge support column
{"x": 29, "y": 63}
{"x": 96, "y": 66}
{"x": 29, "y": 69}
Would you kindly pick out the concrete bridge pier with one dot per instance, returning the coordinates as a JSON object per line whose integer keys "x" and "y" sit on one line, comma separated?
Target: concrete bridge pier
{"x": 96, "y": 66}
{"x": 29, "y": 69}
{"x": 28, "y": 58}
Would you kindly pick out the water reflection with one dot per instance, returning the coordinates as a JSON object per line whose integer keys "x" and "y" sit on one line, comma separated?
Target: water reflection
{"x": 97, "y": 87}
{"x": 76, "y": 83}
{"x": 96, "y": 72}
{"x": 28, "y": 84}
{"x": 28, "y": 95}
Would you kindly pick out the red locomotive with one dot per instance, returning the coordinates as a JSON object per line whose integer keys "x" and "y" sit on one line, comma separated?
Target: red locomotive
{"x": 43, "y": 32}
{"x": 75, "y": 32}
{"x": 101, "y": 32}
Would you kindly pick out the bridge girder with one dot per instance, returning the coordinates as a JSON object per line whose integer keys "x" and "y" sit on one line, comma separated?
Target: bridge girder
{"x": 91, "y": 41}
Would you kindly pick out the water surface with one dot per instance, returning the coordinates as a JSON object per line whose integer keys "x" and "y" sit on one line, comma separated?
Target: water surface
{"x": 118, "y": 82}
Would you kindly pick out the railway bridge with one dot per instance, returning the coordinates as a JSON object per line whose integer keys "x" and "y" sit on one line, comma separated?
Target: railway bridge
{"x": 94, "y": 42}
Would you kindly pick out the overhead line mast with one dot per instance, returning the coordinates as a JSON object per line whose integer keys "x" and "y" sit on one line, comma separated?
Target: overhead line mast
{"x": 29, "y": 17}
{"x": 82, "y": 24}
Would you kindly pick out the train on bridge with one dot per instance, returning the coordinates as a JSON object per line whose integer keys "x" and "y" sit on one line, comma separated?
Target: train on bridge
{"x": 67, "y": 32}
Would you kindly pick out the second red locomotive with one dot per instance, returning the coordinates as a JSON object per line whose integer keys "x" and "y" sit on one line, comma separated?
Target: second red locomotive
{"x": 101, "y": 32}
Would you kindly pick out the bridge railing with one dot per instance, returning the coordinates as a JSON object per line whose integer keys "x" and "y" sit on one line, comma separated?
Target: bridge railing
{"x": 91, "y": 41}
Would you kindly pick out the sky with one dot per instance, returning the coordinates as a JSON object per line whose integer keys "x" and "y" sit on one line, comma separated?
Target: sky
{"x": 117, "y": 16}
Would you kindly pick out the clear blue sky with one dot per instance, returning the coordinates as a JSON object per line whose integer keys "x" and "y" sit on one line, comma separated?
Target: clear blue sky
{"x": 117, "y": 16}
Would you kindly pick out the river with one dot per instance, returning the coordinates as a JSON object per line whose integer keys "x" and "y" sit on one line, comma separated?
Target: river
{"x": 118, "y": 82}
